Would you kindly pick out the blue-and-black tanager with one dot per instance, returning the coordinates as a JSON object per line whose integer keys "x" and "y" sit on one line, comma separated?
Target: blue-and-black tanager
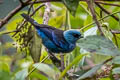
{"x": 55, "y": 40}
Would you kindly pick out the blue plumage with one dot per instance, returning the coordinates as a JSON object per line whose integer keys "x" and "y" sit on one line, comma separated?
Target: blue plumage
{"x": 55, "y": 40}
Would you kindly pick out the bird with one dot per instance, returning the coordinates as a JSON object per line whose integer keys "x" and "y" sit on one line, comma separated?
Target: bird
{"x": 55, "y": 40}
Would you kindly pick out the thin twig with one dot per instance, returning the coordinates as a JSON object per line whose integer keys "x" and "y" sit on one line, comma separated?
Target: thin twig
{"x": 28, "y": 2}
{"x": 12, "y": 13}
{"x": 31, "y": 7}
{"x": 103, "y": 9}
{"x": 39, "y": 1}
{"x": 110, "y": 4}
{"x": 46, "y": 13}
{"x": 116, "y": 42}
{"x": 106, "y": 61}
{"x": 38, "y": 65}
{"x": 16, "y": 31}
{"x": 37, "y": 9}
{"x": 17, "y": 9}
{"x": 43, "y": 1}
{"x": 21, "y": 2}
{"x": 114, "y": 34}
{"x": 62, "y": 61}
{"x": 30, "y": 15}
{"x": 115, "y": 31}
{"x": 9, "y": 32}
{"x": 100, "y": 20}
{"x": 90, "y": 5}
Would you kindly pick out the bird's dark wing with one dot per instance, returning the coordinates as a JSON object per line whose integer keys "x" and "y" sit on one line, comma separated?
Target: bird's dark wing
{"x": 47, "y": 30}
{"x": 58, "y": 38}
{"x": 54, "y": 35}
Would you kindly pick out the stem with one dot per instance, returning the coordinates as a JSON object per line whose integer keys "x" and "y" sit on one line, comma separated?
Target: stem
{"x": 90, "y": 5}
{"x": 100, "y": 19}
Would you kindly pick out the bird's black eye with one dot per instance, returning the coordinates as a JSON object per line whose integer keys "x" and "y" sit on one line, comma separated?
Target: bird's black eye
{"x": 76, "y": 35}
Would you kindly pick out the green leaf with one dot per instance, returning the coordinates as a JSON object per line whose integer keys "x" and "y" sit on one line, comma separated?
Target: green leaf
{"x": 75, "y": 61}
{"x": 81, "y": 72}
{"x": 4, "y": 67}
{"x": 105, "y": 78}
{"x": 88, "y": 21}
{"x": 91, "y": 31}
{"x": 21, "y": 75}
{"x": 106, "y": 31}
{"x": 116, "y": 39}
{"x": 99, "y": 45}
{"x": 5, "y": 75}
{"x": 71, "y": 5}
{"x": 57, "y": 21}
{"x": 116, "y": 70}
{"x": 90, "y": 72}
{"x": 35, "y": 50}
{"x": 116, "y": 60}
{"x": 113, "y": 24}
{"x": 37, "y": 75}
{"x": 46, "y": 69}
{"x": 76, "y": 22}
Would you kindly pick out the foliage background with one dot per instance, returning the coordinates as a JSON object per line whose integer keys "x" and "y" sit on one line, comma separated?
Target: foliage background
{"x": 16, "y": 61}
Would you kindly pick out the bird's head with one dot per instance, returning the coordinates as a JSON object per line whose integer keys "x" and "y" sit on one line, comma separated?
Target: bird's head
{"x": 72, "y": 35}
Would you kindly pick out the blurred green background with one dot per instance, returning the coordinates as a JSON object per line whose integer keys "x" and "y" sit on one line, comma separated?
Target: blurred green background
{"x": 15, "y": 59}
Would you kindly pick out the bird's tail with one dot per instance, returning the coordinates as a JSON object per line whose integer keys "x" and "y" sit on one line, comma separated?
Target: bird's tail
{"x": 29, "y": 19}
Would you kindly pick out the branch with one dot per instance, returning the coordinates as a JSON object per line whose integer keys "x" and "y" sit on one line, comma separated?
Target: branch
{"x": 43, "y": 1}
{"x": 21, "y": 2}
{"x": 79, "y": 0}
{"x": 31, "y": 7}
{"x": 103, "y": 9}
{"x": 34, "y": 68}
{"x": 30, "y": 16}
{"x": 12, "y": 13}
{"x": 9, "y": 32}
{"x": 115, "y": 31}
{"x": 18, "y": 8}
{"x": 1, "y": 2}
{"x": 106, "y": 61}
{"x": 37, "y": 9}
{"x": 28, "y": 2}
{"x": 90, "y": 6}
{"x": 107, "y": 0}
{"x": 46, "y": 13}
{"x": 116, "y": 41}
{"x": 110, "y": 4}
{"x": 18, "y": 30}
{"x": 100, "y": 19}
